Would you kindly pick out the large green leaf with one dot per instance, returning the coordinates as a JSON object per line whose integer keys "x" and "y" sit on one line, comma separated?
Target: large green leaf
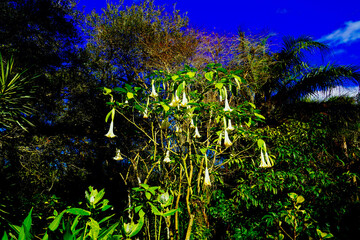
{"x": 5, "y": 236}
{"x": 108, "y": 231}
{"x": 171, "y": 212}
{"x": 94, "y": 229}
{"x": 78, "y": 211}
{"x": 55, "y": 223}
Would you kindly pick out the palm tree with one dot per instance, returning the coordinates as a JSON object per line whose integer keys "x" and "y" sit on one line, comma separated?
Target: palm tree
{"x": 15, "y": 94}
{"x": 292, "y": 78}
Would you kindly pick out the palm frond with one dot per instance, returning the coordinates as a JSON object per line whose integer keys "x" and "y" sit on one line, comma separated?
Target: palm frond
{"x": 15, "y": 94}
{"x": 319, "y": 79}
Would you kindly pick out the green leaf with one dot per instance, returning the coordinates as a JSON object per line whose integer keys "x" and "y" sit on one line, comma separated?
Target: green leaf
{"x": 165, "y": 106}
{"x": 171, "y": 212}
{"x": 106, "y": 91}
{"x": 259, "y": 115}
{"x": 46, "y": 236}
{"x": 108, "y": 115}
{"x": 219, "y": 85}
{"x": 22, "y": 235}
{"x": 300, "y": 199}
{"x": 191, "y": 74}
{"x": 137, "y": 228}
{"x": 147, "y": 195}
{"x": 237, "y": 80}
{"x": 220, "y": 69}
{"x": 137, "y": 208}
{"x": 293, "y": 195}
{"x": 174, "y": 77}
{"x": 28, "y": 221}
{"x": 144, "y": 185}
{"x": 55, "y": 223}
{"x": 75, "y": 223}
{"x": 109, "y": 231}
{"x": 252, "y": 105}
{"x": 179, "y": 90}
{"x": 106, "y": 218}
{"x": 78, "y": 211}
{"x": 154, "y": 210}
{"x": 5, "y": 237}
{"x": 209, "y": 76}
{"x": 323, "y": 235}
{"x": 99, "y": 196}
{"x": 261, "y": 144}
{"x": 106, "y": 207}
{"x": 16, "y": 228}
{"x": 94, "y": 229}
{"x": 68, "y": 234}
{"x": 119, "y": 89}
{"x": 130, "y": 95}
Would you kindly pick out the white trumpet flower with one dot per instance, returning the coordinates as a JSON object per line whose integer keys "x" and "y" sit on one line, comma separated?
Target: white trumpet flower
{"x": 177, "y": 99}
{"x": 192, "y": 125}
{"x": 184, "y": 101}
{"x": 227, "y": 107}
{"x": 265, "y": 162}
{"x": 118, "y": 156}
{"x": 262, "y": 160}
{"x": 110, "y": 133}
{"x": 153, "y": 91}
{"x": 230, "y": 127}
{"x": 227, "y": 141}
{"x": 207, "y": 181}
{"x": 173, "y": 102}
{"x": 146, "y": 114}
{"x": 197, "y": 134}
{"x": 167, "y": 157}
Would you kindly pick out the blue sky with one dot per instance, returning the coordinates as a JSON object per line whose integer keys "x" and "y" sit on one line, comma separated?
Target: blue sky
{"x": 336, "y": 22}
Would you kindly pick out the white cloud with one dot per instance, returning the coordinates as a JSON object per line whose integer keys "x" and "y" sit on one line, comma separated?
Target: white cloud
{"x": 348, "y": 34}
{"x": 336, "y": 91}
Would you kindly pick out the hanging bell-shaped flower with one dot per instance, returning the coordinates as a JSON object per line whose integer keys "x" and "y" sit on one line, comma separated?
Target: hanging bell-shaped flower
{"x": 146, "y": 114}
{"x": 207, "y": 181}
{"x": 262, "y": 160}
{"x": 230, "y": 127}
{"x": 192, "y": 125}
{"x": 197, "y": 134}
{"x": 227, "y": 107}
{"x": 167, "y": 157}
{"x": 153, "y": 91}
{"x": 173, "y": 102}
{"x": 110, "y": 133}
{"x": 177, "y": 99}
{"x": 118, "y": 156}
{"x": 184, "y": 101}
{"x": 227, "y": 141}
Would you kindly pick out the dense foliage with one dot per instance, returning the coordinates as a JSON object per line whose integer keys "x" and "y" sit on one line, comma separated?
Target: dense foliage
{"x": 206, "y": 135}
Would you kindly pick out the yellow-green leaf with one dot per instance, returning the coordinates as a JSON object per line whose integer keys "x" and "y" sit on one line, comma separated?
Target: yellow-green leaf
{"x": 130, "y": 95}
{"x": 209, "y": 76}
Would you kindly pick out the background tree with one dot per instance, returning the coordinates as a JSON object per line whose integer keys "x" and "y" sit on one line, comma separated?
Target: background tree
{"x": 126, "y": 42}
{"x": 292, "y": 77}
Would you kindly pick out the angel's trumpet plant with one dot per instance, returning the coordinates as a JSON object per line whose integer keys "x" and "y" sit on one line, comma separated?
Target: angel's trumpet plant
{"x": 197, "y": 134}
{"x": 227, "y": 141}
{"x": 153, "y": 91}
{"x": 110, "y": 133}
{"x": 118, "y": 156}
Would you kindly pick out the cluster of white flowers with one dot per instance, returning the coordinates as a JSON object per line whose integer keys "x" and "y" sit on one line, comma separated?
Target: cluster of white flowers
{"x": 266, "y": 162}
